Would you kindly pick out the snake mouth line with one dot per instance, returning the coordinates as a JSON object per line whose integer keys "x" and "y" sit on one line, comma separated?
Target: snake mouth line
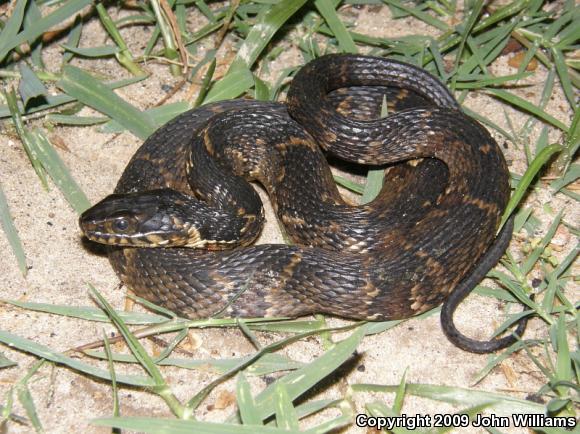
{"x": 98, "y": 233}
{"x": 105, "y": 238}
{"x": 143, "y": 241}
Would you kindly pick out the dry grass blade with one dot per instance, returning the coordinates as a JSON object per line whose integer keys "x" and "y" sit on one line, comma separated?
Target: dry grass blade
{"x": 176, "y": 33}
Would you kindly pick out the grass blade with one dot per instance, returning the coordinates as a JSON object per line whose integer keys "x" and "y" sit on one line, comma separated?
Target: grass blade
{"x": 205, "y": 84}
{"x": 458, "y": 396}
{"x": 348, "y": 184}
{"x": 571, "y": 175}
{"x": 12, "y": 233}
{"x": 160, "y": 116}
{"x": 312, "y": 407}
{"x": 328, "y": 12}
{"x": 114, "y": 389}
{"x": 266, "y": 364}
{"x": 378, "y": 409}
{"x": 262, "y": 93}
{"x": 5, "y": 362}
{"x": 33, "y": 14}
{"x": 202, "y": 394}
{"x": 400, "y": 395}
{"x": 30, "y": 34}
{"x": 417, "y": 13}
{"x": 28, "y": 141}
{"x": 59, "y": 173}
{"x": 88, "y": 313}
{"x": 375, "y": 177}
{"x": 104, "y": 51}
{"x": 44, "y": 352}
{"x": 541, "y": 159}
{"x": 528, "y": 107}
{"x": 56, "y": 100}
{"x": 495, "y": 360}
{"x": 286, "y": 417}
{"x": 75, "y": 120}
{"x": 11, "y": 27}
{"x": 30, "y": 87}
{"x": 268, "y": 23}
{"x": 25, "y": 397}
{"x": 74, "y": 37}
{"x": 123, "y": 54}
{"x": 246, "y": 404}
{"x": 303, "y": 379}
{"x": 160, "y": 386}
{"x": 234, "y": 84}
{"x": 44, "y": 158}
{"x": 467, "y": 27}
{"x": 527, "y": 265}
{"x": 83, "y": 87}
{"x": 174, "y": 426}
{"x": 373, "y": 185}
{"x": 563, "y": 362}
{"x": 335, "y": 424}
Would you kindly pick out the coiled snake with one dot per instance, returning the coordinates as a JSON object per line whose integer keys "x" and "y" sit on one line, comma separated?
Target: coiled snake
{"x": 428, "y": 232}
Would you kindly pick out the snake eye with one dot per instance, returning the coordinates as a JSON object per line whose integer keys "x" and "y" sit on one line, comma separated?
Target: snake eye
{"x": 121, "y": 224}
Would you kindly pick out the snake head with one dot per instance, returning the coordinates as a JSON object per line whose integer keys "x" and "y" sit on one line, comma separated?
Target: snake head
{"x": 144, "y": 219}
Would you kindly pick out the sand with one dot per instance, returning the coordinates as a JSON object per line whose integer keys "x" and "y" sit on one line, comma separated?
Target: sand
{"x": 60, "y": 265}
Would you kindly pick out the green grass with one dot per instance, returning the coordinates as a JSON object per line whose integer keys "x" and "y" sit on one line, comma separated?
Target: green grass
{"x": 460, "y": 54}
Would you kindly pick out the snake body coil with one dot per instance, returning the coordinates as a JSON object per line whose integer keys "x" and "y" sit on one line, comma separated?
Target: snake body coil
{"x": 395, "y": 257}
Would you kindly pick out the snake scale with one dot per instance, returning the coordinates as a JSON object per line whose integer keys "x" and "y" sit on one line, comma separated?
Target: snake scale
{"x": 183, "y": 216}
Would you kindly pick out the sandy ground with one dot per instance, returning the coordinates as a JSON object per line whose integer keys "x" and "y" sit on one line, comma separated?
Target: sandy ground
{"x": 60, "y": 267}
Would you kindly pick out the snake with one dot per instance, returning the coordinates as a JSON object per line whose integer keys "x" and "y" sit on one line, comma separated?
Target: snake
{"x": 181, "y": 223}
